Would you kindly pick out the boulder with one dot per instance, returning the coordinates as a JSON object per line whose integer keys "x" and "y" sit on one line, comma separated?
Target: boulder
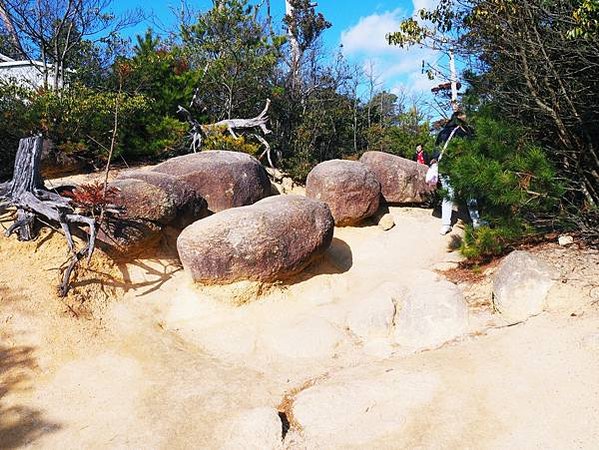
{"x": 349, "y": 188}
{"x": 521, "y": 285}
{"x": 190, "y": 206}
{"x": 224, "y": 179}
{"x": 402, "y": 180}
{"x": 431, "y": 311}
{"x": 145, "y": 208}
{"x": 268, "y": 241}
{"x": 143, "y": 201}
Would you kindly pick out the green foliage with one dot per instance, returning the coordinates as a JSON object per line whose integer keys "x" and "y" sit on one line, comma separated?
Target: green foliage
{"x": 401, "y": 137}
{"x": 510, "y": 177}
{"x": 586, "y": 17}
{"x": 13, "y": 124}
{"x": 235, "y": 58}
{"x": 486, "y": 242}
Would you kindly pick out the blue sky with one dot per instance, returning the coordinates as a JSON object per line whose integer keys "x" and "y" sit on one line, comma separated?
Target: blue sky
{"x": 359, "y": 25}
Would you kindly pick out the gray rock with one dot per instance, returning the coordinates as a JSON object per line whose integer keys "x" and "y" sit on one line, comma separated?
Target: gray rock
{"x": 402, "y": 180}
{"x": 224, "y": 179}
{"x": 349, "y": 188}
{"x": 268, "y": 241}
{"x": 521, "y": 285}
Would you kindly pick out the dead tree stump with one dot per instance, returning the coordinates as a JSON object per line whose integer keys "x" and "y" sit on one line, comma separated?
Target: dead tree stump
{"x": 26, "y": 194}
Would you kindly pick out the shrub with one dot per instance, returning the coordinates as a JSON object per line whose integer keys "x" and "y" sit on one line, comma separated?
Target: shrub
{"x": 512, "y": 179}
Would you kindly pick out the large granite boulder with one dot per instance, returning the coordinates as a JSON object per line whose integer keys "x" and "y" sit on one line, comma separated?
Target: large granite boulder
{"x": 521, "y": 285}
{"x": 349, "y": 188}
{"x": 144, "y": 209}
{"x": 402, "y": 180}
{"x": 268, "y": 241}
{"x": 224, "y": 179}
{"x": 190, "y": 206}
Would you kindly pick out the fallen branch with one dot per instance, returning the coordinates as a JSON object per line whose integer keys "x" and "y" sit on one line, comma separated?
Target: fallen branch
{"x": 197, "y": 130}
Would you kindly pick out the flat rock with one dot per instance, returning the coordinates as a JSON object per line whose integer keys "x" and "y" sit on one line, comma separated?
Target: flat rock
{"x": 372, "y": 316}
{"x": 521, "y": 285}
{"x": 358, "y": 408}
{"x": 268, "y": 241}
{"x": 349, "y": 188}
{"x": 224, "y": 179}
{"x": 432, "y": 311}
{"x": 305, "y": 337}
{"x": 253, "y": 429}
{"x": 402, "y": 180}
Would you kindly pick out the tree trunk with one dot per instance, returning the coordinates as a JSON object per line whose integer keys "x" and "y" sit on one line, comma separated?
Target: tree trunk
{"x": 27, "y": 195}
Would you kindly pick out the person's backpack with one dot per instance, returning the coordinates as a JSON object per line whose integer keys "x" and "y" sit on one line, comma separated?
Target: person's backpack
{"x": 432, "y": 175}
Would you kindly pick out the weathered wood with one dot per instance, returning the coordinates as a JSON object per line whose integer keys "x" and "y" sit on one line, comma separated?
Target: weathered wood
{"x": 197, "y": 130}
{"x": 26, "y": 194}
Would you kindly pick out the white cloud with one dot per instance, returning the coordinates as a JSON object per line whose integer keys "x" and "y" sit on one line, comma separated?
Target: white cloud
{"x": 365, "y": 42}
{"x": 424, "y": 4}
{"x": 368, "y": 35}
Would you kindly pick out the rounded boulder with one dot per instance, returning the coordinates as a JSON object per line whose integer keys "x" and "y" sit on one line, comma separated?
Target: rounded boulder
{"x": 224, "y": 179}
{"x": 402, "y": 181}
{"x": 144, "y": 208}
{"x": 190, "y": 206}
{"x": 269, "y": 241}
{"x": 349, "y": 188}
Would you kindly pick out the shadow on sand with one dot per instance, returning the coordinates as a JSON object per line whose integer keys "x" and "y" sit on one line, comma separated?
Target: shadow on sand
{"x": 19, "y": 425}
{"x": 336, "y": 259}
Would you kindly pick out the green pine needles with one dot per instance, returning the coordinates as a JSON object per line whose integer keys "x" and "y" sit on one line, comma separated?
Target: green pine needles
{"x": 511, "y": 178}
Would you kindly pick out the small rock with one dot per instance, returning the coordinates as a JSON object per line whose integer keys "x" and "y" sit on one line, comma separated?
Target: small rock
{"x": 565, "y": 239}
{"x": 521, "y": 285}
{"x": 189, "y": 205}
{"x": 145, "y": 209}
{"x": 142, "y": 200}
{"x": 386, "y": 222}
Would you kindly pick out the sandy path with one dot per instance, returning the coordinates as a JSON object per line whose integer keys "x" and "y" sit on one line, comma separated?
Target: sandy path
{"x": 173, "y": 367}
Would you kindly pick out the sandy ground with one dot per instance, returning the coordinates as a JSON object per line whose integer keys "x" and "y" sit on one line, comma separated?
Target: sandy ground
{"x": 144, "y": 359}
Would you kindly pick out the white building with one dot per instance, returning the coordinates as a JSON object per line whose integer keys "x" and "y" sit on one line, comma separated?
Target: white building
{"x": 25, "y": 73}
